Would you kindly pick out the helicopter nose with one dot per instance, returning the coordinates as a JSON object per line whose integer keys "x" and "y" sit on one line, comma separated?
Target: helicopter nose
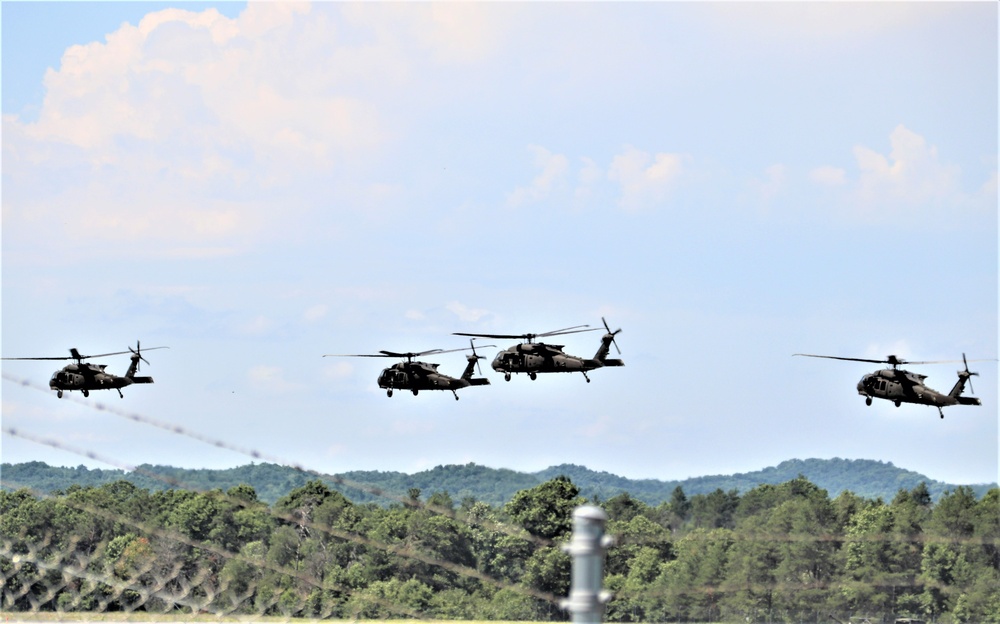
{"x": 861, "y": 385}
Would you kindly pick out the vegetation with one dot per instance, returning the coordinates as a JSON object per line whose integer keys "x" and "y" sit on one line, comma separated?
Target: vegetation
{"x": 783, "y": 552}
{"x": 867, "y": 478}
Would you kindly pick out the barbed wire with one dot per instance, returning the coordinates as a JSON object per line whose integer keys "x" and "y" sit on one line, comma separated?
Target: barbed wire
{"x": 175, "y": 429}
{"x": 63, "y": 571}
{"x": 401, "y": 551}
{"x": 79, "y": 570}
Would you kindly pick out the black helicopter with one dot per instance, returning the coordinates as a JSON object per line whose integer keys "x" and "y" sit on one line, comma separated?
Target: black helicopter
{"x": 536, "y": 357}
{"x": 84, "y": 376}
{"x": 417, "y": 376}
{"x": 901, "y": 386}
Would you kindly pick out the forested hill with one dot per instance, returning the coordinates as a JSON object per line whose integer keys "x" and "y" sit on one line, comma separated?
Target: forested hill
{"x": 495, "y": 486}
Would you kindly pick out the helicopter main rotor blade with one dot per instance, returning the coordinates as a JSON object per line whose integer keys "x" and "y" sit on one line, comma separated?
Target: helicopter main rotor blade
{"x": 77, "y": 356}
{"x": 892, "y": 360}
{"x": 530, "y": 337}
{"x": 834, "y": 357}
{"x": 395, "y": 354}
{"x": 568, "y": 330}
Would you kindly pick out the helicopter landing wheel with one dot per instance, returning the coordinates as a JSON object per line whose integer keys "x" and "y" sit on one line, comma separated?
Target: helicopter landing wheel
{"x": 86, "y": 393}
{"x": 59, "y": 394}
{"x": 868, "y": 400}
{"x": 898, "y": 403}
{"x": 506, "y": 377}
{"x": 388, "y": 392}
{"x": 533, "y": 376}
{"x": 414, "y": 392}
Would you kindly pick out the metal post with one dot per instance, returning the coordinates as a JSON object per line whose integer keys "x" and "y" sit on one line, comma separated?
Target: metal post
{"x": 587, "y": 547}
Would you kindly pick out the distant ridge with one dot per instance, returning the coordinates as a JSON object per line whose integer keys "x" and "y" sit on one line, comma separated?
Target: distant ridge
{"x": 867, "y": 478}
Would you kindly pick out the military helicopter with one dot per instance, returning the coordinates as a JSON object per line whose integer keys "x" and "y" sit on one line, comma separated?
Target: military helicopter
{"x": 536, "y": 357}
{"x": 86, "y": 377}
{"x": 901, "y": 386}
{"x": 417, "y": 376}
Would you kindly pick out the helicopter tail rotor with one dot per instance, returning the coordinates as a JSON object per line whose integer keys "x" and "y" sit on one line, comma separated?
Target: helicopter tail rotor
{"x": 613, "y": 334}
{"x": 475, "y": 357}
{"x": 966, "y": 374}
{"x": 137, "y": 355}
{"x": 136, "y": 358}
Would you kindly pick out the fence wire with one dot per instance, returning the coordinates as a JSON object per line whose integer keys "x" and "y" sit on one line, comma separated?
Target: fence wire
{"x": 154, "y": 568}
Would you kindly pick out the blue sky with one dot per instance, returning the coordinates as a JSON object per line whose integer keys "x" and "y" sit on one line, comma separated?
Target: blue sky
{"x": 258, "y": 185}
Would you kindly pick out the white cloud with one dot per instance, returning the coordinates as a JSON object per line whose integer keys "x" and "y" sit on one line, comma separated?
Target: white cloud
{"x": 828, "y": 176}
{"x": 315, "y": 313}
{"x": 465, "y": 313}
{"x": 168, "y": 132}
{"x": 772, "y": 184}
{"x": 256, "y": 326}
{"x": 910, "y": 179}
{"x": 338, "y": 370}
{"x": 271, "y": 378}
{"x": 786, "y": 23}
{"x": 589, "y": 177}
{"x": 912, "y": 172}
{"x": 553, "y": 170}
{"x": 645, "y": 179}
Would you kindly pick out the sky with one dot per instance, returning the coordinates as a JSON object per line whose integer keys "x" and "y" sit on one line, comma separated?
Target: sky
{"x": 257, "y": 185}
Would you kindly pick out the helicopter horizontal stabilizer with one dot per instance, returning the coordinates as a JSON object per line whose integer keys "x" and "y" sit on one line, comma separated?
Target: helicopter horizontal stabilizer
{"x": 965, "y": 400}
{"x": 612, "y": 362}
{"x": 479, "y": 381}
{"x": 136, "y": 380}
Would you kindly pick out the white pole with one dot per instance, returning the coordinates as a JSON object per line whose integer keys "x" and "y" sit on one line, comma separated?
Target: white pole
{"x": 588, "y": 546}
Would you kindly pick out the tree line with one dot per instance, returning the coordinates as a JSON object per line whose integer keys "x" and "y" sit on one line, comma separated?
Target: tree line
{"x": 776, "y": 553}
{"x": 494, "y": 486}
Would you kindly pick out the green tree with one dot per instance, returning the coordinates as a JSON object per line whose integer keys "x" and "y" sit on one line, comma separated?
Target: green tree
{"x": 546, "y": 510}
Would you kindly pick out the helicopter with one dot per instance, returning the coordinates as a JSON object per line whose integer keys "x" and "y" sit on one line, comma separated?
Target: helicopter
{"x": 901, "y": 386}
{"x": 536, "y": 357}
{"x": 416, "y": 376}
{"x": 86, "y": 377}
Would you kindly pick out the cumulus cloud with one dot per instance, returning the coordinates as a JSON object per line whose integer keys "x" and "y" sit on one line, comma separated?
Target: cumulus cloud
{"x": 828, "y": 176}
{"x": 912, "y": 178}
{"x": 170, "y": 131}
{"x": 315, "y": 313}
{"x": 271, "y": 378}
{"x": 911, "y": 173}
{"x": 465, "y": 313}
{"x": 589, "y": 176}
{"x": 552, "y": 168}
{"x": 645, "y": 179}
{"x": 772, "y": 183}
{"x": 256, "y": 326}
{"x": 338, "y": 370}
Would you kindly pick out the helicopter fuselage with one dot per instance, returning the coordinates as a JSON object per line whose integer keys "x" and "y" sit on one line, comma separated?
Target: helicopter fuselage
{"x": 85, "y": 377}
{"x": 417, "y": 376}
{"x": 900, "y": 386}
{"x": 536, "y": 357}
